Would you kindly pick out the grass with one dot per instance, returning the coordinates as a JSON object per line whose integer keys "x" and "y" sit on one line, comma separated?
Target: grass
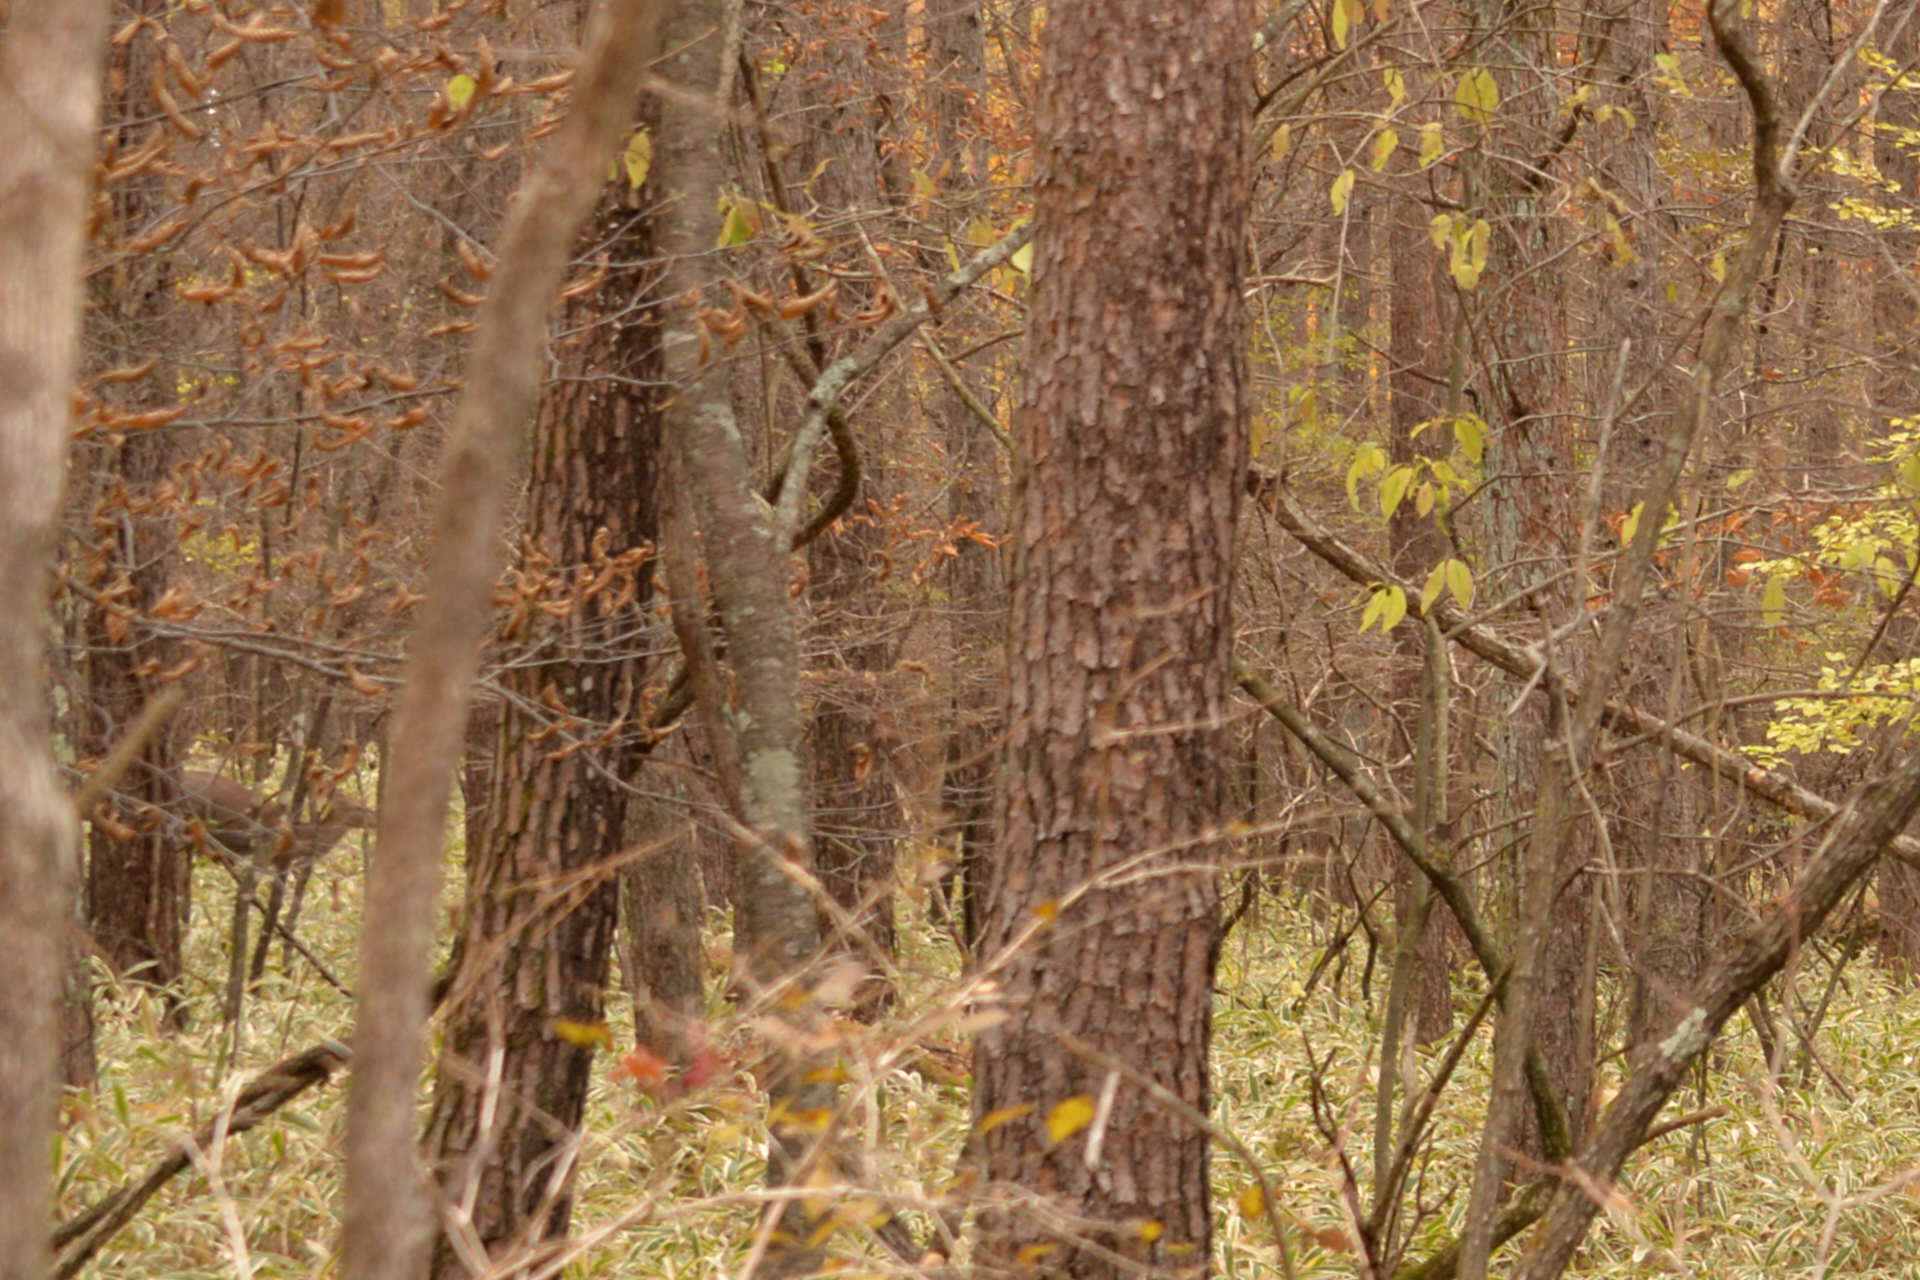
{"x": 1801, "y": 1170}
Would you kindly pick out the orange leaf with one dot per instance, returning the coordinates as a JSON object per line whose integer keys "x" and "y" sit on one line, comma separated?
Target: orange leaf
{"x": 644, "y": 1067}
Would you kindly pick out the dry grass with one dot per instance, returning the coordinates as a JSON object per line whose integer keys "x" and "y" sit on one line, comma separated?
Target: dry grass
{"x": 1800, "y": 1177}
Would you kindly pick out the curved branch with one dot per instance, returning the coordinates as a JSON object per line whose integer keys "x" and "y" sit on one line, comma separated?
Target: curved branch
{"x": 81, "y": 1236}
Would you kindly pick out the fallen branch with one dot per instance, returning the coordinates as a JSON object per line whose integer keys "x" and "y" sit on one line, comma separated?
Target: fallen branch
{"x": 80, "y": 1237}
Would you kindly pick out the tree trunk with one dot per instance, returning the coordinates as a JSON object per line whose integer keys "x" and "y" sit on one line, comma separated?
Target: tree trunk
{"x": 1102, "y": 901}
{"x": 49, "y": 58}
{"x": 526, "y": 1008}
{"x": 387, "y": 1232}
{"x": 138, "y": 874}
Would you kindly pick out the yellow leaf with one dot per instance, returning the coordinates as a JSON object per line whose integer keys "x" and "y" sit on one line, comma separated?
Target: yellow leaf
{"x": 1396, "y": 85}
{"x": 733, "y": 228}
{"x": 1068, "y": 1117}
{"x": 1150, "y": 1231}
{"x": 582, "y": 1035}
{"x": 1433, "y": 143}
{"x": 1033, "y": 1253}
{"x": 1048, "y": 910}
{"x": 1342, "y": 189}
{"x": 1252, "y": 1203}
{"x": 1341, "y": 22}
{"x": 1282, "y": 139}
{"x": 1394, "y": 610}
{"x": 994, "y": 1119}
{"x": 1631, "y": 524}
{"x": 1436, "y": 583}
{"x": 460, "y": 90}
{"x": 1460, "y": 582}
{"x": 638, "y": 157}
{"x": 1477, "y": 95}
{"x": 1773, "y": 602}
{"x": 1383, "y": 148}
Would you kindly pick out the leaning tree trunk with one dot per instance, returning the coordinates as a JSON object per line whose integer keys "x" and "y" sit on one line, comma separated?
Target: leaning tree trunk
{"x": 1102, "y": 900}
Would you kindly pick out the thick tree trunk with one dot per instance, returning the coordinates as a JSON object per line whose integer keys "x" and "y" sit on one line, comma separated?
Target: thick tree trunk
{"x": 387, "y": 1233}
{"x": 542, "y": 897}
{"x": 1102, "y": 901}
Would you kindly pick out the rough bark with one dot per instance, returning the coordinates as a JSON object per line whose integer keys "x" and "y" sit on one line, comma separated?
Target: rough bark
{"x": 50, "y": 57}
{"x": 541, "y": 901}
{"x": 138, "y": 874}
{"x": 387, "y": 1227}
{"x": 1103, "y": 897}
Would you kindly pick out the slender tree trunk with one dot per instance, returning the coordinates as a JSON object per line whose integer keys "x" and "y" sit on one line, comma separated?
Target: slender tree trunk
{"x": 746, "y": 547}
{"x": 50, "y": 58}
{"x": 1102, "y": 901}
{"x": 1897, "y": 323}
{"x": 138, "y": 874}
{"x": 975, "y": 502}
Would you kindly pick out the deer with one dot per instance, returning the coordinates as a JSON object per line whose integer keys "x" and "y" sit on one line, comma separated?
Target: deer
{"x": 253, "y": 829}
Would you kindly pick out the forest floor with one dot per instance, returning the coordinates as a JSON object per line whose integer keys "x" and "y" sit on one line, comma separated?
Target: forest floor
{"x": 1811, "y": 1171}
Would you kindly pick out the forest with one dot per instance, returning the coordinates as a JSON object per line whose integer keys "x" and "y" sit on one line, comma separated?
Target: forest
{"x": 959, "y": 638}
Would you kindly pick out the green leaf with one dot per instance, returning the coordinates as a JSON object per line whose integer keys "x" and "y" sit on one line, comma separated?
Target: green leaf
{"x": 1436, "y": 583}
{"x": 1773, "y": 601}
{"x": 1476, "y": 96}
{"x": 460, "y": 90}
{"x": 1423, "y": 500}
{"x": 1433, "y": 143}
{"x": 1383, "y": 148}
{"x": 1460, "y": 582}
{"x": 1342, "y": 189}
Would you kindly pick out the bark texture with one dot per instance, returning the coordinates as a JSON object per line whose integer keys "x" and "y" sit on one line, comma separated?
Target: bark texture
{"x": 542, "y": 893}
{"x": 49, "y": 82}
{"x": 1102, "y": 900}
{"x": 387, "y": 1232}
{"x": 138, "y": 873}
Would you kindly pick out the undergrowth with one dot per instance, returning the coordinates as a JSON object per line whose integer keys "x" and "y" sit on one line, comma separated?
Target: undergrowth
{"x": 1802, "y": 1170}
